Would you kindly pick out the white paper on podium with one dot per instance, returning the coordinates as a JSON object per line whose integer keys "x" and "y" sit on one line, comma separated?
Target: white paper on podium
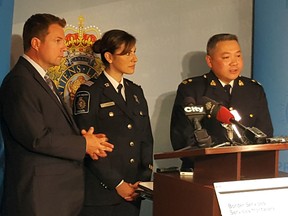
{"x": 146, "y": 185}
{"x": 261, "y": 197}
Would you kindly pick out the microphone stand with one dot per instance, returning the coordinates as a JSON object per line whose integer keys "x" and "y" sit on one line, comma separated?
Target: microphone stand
{"x": 201, "y": 135}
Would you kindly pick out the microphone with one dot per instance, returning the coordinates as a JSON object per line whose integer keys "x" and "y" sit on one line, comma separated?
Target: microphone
{"x": 195, "y": 114}
{"x": 217, "y": 111}
{"x": 223, "y": 115}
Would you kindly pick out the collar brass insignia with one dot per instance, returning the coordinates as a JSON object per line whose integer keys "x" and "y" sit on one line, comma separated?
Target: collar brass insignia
{"x": 213, "y": 83}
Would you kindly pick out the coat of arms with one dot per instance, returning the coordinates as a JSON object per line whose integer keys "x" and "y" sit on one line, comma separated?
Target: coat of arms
{"x": 80, "y": 63}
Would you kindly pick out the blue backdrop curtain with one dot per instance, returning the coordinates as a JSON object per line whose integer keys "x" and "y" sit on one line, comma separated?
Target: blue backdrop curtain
{"x": 270, "y": 62}
{"x": 6, "y": 20}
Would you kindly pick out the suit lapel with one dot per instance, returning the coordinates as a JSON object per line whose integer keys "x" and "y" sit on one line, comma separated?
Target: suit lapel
{"x": 53, "y": 97}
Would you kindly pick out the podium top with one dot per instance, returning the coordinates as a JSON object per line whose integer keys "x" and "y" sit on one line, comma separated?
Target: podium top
{"x": 189, "y": 152}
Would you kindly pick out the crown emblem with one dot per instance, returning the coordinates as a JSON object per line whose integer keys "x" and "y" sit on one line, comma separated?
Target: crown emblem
{"x": 81, "y": 38}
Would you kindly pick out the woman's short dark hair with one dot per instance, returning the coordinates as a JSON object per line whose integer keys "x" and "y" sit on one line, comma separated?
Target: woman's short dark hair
{"x": 37, "y": 26}
{"x": 113, "y": 40}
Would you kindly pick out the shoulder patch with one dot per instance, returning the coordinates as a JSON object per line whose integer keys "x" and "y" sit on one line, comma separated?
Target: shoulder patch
{"x": 81, "y": 103}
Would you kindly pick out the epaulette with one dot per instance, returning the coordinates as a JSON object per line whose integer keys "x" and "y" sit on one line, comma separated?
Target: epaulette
{"x": 128, "y": 82}
{"x": 89, "y": 83}
{"x": 254, "y": 81}
{"x": 189, "y": 80}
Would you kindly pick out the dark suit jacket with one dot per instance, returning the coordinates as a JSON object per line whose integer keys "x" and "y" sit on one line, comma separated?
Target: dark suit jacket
{"x": 127, "y": 126}
{"x": 247, "y": 97}
{"x": 43, "y": 149}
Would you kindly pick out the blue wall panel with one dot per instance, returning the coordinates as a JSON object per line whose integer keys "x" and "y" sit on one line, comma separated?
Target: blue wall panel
{"x": 270, "y": 62}
{"x": 6, "y": 20}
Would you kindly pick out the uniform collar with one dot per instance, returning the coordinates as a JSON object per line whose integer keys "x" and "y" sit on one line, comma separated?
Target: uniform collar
{"x": 113, "y": 81}
{"x": 223, "y": 84}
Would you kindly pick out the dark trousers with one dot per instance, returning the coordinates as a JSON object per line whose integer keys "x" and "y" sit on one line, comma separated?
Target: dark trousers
{"x": 123, "y": 209}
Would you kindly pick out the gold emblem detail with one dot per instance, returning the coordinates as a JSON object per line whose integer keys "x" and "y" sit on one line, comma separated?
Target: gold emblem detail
{"x": 213, "y": 83}
{"x": 240, "y": 83}
{"x": 81, "y": 104}
{"x": 184, "y": 81}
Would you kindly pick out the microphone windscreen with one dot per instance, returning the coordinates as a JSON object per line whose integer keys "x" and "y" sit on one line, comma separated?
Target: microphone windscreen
{"x": 212, "y": 107}
{"x": 189, "y": 101}
{"x": 206, "y": 99}
{"x": 224, "y": 115}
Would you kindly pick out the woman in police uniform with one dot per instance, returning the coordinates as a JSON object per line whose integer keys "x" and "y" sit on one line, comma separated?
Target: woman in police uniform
{"x": 122, "y": 114}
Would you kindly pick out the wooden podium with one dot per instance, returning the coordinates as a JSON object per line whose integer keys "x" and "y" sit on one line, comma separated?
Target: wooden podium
{"x": 194, "y": 195}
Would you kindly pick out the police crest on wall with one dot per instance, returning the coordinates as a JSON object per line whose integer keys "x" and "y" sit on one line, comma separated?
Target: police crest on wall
{"x": 80, "y": 63}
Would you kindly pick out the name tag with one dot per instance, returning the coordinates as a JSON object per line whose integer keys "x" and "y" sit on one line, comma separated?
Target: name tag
{"x": 107, "y": 104}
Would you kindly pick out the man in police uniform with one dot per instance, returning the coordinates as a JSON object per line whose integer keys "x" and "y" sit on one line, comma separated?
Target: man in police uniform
{"x": 245, "y": 96}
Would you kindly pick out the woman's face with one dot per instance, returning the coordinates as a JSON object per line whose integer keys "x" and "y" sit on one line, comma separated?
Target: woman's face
{"x": 123, "y": 63}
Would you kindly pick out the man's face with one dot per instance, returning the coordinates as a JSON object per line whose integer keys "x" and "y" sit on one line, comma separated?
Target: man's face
{"x": 51, "y": 49}
{"x": 225, "y": 60}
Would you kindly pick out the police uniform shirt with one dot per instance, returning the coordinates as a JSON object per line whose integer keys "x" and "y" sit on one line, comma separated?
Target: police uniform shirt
{"x": 247, "y": 97}
{"x": 127, "y": 126}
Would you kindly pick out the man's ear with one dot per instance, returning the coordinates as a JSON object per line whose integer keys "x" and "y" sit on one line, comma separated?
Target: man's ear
{"x": 208, "y": 61}
{"x": 35, "y": 43}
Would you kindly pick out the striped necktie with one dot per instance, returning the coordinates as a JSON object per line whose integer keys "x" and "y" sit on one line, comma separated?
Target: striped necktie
{"x": 51, "y": 85}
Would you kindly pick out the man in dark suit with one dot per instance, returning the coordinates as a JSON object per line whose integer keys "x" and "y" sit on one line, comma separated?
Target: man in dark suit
{"x": 245, "y": 97}
{"x": 43, "y": 146}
